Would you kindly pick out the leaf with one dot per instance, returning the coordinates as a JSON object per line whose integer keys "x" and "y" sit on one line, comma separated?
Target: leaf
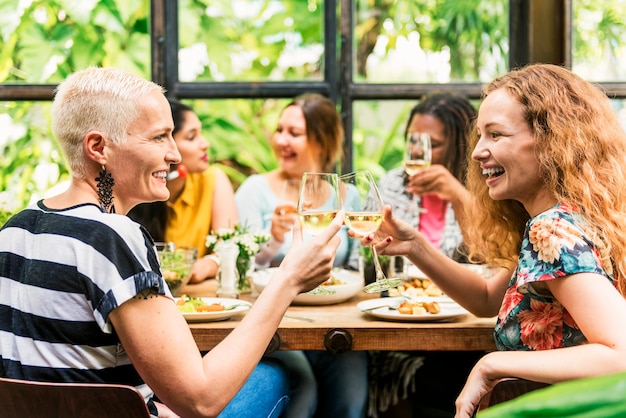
{"x": 79, "y": 10}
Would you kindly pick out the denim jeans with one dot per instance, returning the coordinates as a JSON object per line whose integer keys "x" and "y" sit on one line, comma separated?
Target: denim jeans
{"x": 265, "y": 394}
{"x": 341, "y": 383}
{"x": 326, "y": 385}
{"x": 302, "y": 384}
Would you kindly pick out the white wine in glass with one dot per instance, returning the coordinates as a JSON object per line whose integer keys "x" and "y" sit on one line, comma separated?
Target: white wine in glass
{"x": 367, "y": 220}
{"x": 318, "y": 204}
{"x": 316, "y": 222}
{"x": 418, "y": 154}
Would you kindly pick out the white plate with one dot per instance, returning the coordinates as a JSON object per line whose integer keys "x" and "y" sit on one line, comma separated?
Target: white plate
{"x": 218, "y": 315}
{"x": 448, "y": 311}
{"x": 352, "y": 284}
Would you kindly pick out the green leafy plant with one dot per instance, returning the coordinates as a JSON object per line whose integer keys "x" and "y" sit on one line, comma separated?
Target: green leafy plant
{"x": 4, "y": 216}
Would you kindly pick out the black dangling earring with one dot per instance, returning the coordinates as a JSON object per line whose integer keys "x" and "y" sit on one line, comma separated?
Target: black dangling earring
{"x": 104, "y": 184}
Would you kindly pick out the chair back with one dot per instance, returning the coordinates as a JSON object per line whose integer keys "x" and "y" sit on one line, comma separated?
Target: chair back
{"x": 508, "y": 389}
{"x": 21, "y": 398}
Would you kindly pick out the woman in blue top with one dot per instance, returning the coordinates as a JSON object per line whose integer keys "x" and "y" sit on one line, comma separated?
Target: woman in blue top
{"x": 308, "y": 138}
{"x": 548, "y": 210}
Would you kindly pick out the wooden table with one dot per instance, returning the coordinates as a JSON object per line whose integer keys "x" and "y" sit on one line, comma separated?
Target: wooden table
{"x": 343, "y": 327}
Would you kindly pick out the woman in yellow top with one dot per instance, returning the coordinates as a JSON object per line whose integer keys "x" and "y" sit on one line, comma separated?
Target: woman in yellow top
{"x": 201, "y": 197}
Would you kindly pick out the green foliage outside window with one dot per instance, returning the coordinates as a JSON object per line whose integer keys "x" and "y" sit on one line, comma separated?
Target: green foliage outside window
{"x": 42, "y": 41}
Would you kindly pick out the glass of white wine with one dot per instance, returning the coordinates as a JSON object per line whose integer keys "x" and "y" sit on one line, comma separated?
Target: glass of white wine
{"x": 318, "y": 204}
{"x": 364, "y": 217}
{"x": 418, "y": 152}
{"x": 417, "y": 155}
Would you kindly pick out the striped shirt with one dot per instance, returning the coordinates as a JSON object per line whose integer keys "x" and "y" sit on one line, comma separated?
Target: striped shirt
{"x": 62, "y": 272}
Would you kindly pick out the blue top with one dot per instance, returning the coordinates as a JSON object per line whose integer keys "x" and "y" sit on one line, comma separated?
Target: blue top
{"x": 256, "y": 202}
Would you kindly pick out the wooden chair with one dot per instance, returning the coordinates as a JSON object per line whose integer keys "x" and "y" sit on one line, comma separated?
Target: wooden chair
{"x": 507, "y": 389}
{"x": 20, "y": 398}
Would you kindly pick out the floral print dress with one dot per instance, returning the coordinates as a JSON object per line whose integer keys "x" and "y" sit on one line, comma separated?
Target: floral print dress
{"x": 554, "y": 245}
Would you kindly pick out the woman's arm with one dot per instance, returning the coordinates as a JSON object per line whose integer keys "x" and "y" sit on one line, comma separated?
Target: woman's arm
{"x": 480, "y": 296}
{"x": 161, "y": 347}
{"x": 600, "y": 312}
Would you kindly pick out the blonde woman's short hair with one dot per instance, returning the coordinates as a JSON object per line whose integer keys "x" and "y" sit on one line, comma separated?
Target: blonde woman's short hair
{"x": 96, "y": 99}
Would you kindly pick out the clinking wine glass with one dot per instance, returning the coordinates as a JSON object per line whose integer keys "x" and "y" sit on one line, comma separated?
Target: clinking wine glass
{"x": 318, "y": 204}
{"x": 417, "y": 155}
{"x": 366, "y": 219}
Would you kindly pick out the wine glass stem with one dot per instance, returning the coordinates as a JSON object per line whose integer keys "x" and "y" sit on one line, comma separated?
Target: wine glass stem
{"x": 379, "y": 271}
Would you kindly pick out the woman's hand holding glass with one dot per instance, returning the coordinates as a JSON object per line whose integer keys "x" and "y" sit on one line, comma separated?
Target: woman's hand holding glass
{"x": 284, "y": 215}
{"x": 366, "y": 220}
{"x": 318, "y": 204}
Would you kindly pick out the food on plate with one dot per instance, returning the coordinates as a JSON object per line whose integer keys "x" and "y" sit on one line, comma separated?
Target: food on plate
{"x": 419, "y": 308}
{"x": 333, "y": 280}
{"x": 417, "y": 287}
{"x": 188, "y": 303}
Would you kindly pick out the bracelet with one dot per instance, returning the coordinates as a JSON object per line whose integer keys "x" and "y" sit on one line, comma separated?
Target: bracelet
{"x": 213, "y": 257}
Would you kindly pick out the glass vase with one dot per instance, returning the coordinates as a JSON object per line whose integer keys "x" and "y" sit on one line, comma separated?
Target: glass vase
{"x": 245, "y": 267}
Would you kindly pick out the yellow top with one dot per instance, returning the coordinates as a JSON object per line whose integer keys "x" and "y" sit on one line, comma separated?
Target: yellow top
{"x": 189, "y": 217}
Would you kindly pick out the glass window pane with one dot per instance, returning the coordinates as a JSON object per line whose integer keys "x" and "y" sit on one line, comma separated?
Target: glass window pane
{"x": 31, "y": 160}
{"x": 250, "y": 40}
{"x": 599, "y": 39}
{"x": 620, "y": 108}
{"x": 239, "y": 132}
{"x": 42, "y": 41}
{"x": 408, "y": 41}
{"x": 378, "y": 134}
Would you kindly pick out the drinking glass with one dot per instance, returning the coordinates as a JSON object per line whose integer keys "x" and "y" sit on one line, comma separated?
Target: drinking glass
{"x": 418, "y": 152}
{"x": 318, "y": 204}
{"x": 288, "y": 197}
{"x": 366, "y": 219}
{"x": 176, "y": 265}
{"x": 417, "y": 155}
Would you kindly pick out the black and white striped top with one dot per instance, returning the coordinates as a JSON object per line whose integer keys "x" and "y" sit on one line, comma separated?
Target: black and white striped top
{"x": 61, "y": 273}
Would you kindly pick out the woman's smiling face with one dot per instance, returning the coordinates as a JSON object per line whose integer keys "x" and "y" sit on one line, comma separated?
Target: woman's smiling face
{"x": 296, "y": 153}
{"x": 191, "y": 144}
{"x": 506, "y": 153}
{"x": 140, "y": 163}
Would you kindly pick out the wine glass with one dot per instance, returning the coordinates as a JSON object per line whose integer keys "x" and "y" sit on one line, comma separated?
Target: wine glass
{"x": 418, "y": 152}
{"x": 288, "y": 197}
{"x": 418, "y": 155}
{"x": 364, "y": 218}
{"x": 318, "y": 203}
